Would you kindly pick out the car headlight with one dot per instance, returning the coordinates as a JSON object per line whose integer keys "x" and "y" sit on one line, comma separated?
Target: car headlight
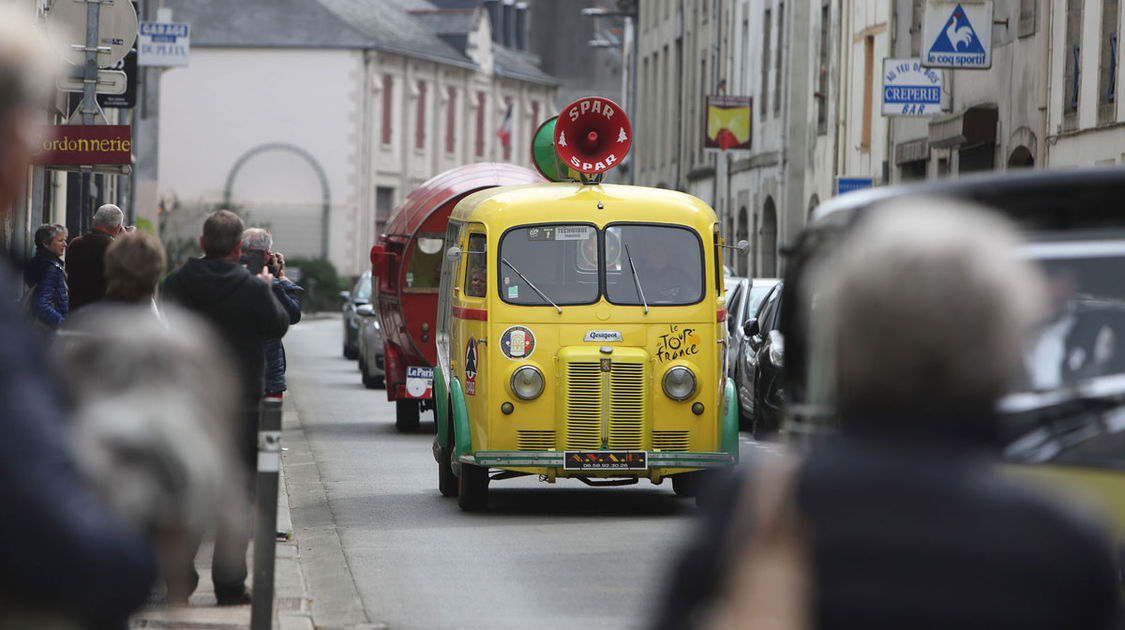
{"x": 679, "y": 383}
{"x": 527, "y": 382}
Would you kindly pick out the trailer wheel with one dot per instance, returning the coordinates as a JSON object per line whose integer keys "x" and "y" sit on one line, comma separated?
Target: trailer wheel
{"x": 472, "y": 488}
{"x": 406, "y": 415}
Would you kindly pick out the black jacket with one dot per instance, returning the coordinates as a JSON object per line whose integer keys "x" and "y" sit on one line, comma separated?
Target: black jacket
{"x": 915, "y": 535}
{"x": 241, "y": 307}
{"x": 85, "y": 266}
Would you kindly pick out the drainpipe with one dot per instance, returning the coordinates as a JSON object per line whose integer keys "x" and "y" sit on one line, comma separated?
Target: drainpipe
{"x": 843, "y": 108}
{"x": 1044, "y": 81}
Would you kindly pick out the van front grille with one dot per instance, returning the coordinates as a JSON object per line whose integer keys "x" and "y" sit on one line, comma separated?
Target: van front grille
{"x": 670, "y": 441}
{"x": 535, "y": 440}
{"x": 605, "y": 410}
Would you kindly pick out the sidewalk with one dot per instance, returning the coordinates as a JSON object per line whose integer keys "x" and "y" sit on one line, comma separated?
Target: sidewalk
{"x": 292, "y": 606}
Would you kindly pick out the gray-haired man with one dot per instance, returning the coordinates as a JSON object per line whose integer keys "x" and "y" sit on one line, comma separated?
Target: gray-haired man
{"x": 85, "y": 259}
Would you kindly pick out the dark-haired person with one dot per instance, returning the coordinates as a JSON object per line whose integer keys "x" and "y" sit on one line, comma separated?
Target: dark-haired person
{"x": 45, "y": 277}
{"x": 244, "y": 311}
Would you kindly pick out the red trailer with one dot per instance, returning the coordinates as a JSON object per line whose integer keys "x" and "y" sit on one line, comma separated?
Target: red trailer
{"x": 405, "y": 272}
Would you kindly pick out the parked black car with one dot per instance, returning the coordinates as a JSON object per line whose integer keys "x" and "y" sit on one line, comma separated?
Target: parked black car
{"x": 758, "y": 376}
{"x": 358, "y": 296}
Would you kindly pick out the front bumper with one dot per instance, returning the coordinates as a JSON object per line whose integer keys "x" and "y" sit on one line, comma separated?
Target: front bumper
{"x": 657, "y": 460}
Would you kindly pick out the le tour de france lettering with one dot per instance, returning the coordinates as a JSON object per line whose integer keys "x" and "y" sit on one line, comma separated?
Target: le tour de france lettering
{"x": 678, "y": 343}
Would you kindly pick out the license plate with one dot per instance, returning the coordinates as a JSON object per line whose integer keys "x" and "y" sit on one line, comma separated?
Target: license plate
{"x": 419, "y": 382}
{"x": 605, "y": 460}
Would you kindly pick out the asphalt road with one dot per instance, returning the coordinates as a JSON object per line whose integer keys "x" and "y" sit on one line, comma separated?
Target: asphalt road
{"x": 381, "y": 548}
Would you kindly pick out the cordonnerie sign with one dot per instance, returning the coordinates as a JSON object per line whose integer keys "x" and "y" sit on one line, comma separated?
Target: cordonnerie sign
{"x": 86, "y": 145}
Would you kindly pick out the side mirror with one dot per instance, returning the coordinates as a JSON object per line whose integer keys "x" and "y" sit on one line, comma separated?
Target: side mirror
{"x": 743, "y": 246}
{"x": 750, "y": 328}
{"x": 453, "y": 253}
{"x": 345, "y": 295}
{"x": 366, "y": 309}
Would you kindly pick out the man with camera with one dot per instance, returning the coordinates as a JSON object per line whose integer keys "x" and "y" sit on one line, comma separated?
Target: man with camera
{"x": 257, "y": 247}
{"x": 241, "y": 306}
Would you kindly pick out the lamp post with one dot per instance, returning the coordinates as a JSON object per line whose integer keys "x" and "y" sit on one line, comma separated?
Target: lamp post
{"x": 628, "y": 9}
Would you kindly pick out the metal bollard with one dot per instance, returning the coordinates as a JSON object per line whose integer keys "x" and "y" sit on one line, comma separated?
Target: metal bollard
{"x": 265, "y": 520}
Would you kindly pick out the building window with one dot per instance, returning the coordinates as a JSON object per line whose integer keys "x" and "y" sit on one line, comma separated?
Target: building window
{"x": 420, "y": 118}
{"x": 534, "y": 120}
{"x": 868, "y": 81}
{"x": 1072, "y": 57}
{"x": 1107, "y": 64}
{"x": 822, "y": 86}
{"x": 506, "y": 125}
{"x": 388, "y": 107}
{"x": 766, "y": 24}
{"x": 384, "y": 203}
{"x": 1028, "y": 11}
{"x": 478, "y": 145}
{"x": 916, "y": 13}
{"x": 451, "y": 121}
{"x": 777, "y": 59}
{"x": 744, "y": 45}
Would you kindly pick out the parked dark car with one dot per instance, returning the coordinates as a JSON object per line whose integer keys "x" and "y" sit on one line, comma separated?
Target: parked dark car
{"x": 742, "y": 304}
{"x": 371, "y": 348}
{"x": 358, "y": 296}
{"x": 758, "y": 375}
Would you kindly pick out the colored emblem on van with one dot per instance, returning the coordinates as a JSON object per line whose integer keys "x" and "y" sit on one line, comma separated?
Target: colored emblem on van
{"x": 517, "y": 343}
{"x": 471, "y": 367}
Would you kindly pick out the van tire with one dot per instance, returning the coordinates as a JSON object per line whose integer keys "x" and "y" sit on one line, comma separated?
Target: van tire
{"x": 472, "y": 488}
{"x": 447, "y": 481}
{"x": 406, "y": 415}
{"x": 686, "y": 484}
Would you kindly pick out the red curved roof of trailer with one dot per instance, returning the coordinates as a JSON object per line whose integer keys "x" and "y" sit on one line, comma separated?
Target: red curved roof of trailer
{"x": 436, "y": 191}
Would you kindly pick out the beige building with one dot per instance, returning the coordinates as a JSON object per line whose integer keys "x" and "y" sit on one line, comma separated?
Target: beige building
{"x": 317, "y": 117}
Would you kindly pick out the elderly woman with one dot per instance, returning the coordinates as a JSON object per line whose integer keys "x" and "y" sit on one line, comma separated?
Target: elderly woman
{"x": 47, "y": 297}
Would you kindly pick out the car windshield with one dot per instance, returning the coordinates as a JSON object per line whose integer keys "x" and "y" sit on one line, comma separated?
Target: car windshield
{"x": 1083, "y": 335}
{"x": 545, "y": 264}
{"x": 362, "y": 290}
{"x": 758, "y": 292}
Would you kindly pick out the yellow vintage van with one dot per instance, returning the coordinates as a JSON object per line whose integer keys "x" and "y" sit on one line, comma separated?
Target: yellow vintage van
{"x": 581, "y": 335}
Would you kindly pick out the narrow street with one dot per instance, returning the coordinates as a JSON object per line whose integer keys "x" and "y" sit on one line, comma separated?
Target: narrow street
{"x": 378, "y": 543}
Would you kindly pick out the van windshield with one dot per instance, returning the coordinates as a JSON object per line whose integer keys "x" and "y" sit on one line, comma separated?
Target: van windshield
{"x": 566, "y": 263}
{"x": 667, "y": 261}
{"x": 560, "y": 260}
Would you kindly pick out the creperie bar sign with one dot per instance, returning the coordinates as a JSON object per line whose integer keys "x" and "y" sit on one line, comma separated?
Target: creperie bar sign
{"x": 85, "y": 145}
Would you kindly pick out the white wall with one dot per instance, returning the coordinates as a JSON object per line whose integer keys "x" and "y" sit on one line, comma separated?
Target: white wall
{"x": 229, "y": 101}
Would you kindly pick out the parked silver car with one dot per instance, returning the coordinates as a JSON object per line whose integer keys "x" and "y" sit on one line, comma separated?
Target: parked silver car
{"x": 371, "y": 347}
{"x": 742, "y": 306}
{"x": 358, "y": 296}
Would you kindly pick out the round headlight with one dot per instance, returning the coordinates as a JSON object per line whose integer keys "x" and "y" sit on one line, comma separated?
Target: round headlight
{"x": 527, "y": 382}
{"x": 679, "y": 383}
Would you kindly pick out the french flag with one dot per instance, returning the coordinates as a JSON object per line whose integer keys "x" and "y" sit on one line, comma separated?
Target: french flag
{"x": 505, "y": 130}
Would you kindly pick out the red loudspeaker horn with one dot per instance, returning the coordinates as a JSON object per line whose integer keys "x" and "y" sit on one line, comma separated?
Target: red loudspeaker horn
{"x": 592, "y": 135}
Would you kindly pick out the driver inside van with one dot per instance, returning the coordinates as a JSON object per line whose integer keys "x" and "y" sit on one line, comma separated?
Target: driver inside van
{"x": 477, "y": 282}
{"x": 661, "y": 279}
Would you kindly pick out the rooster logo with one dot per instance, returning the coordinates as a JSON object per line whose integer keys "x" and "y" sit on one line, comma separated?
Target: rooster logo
{"x": 958, "y": 35}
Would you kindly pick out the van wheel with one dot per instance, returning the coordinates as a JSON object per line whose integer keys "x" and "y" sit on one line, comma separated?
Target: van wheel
{"x": 446, "y": 480}
{"x": 472, "y": 488}
{"x": 685, "y": 484}
{"x": 406, "y": 416}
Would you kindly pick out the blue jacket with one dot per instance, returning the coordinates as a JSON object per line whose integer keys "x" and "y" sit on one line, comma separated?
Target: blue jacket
{"x": 44, "y": 274}
{"x": 287, "y": 293}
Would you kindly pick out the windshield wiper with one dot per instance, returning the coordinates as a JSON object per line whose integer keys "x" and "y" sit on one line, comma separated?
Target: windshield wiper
{"x": 636, "y": 280}
{"x": 529, "y": 283}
